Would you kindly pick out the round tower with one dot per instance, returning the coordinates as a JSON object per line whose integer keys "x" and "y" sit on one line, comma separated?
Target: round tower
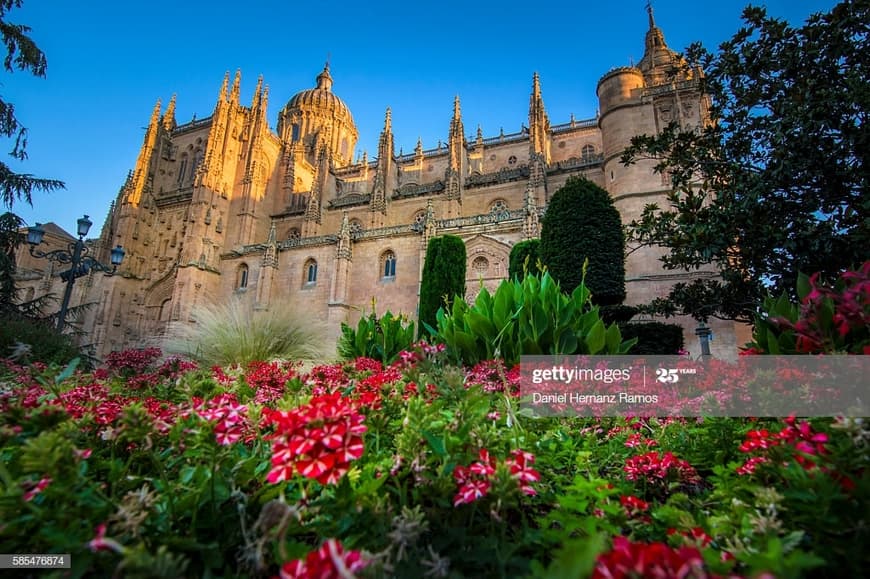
{"x": 316, "y": 117}
{"x": 622, "y": 115}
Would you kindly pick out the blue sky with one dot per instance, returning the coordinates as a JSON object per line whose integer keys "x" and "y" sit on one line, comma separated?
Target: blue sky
{"x": 109, "y": 61}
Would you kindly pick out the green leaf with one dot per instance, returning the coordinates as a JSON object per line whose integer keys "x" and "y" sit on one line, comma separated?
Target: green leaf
{"x": 68, "y": 371}
{"x": 435, "y": 443}
{"x": 576, "y": 558}
{"x": 595, "y": 340}
{"x": 803, "y": 286}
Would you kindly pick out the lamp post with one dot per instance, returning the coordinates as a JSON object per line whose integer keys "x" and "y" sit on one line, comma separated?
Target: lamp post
{"x": 76, "y": 254}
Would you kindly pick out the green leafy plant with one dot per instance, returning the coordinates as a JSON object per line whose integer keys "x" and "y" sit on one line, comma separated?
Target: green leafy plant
{"x": 378, "y": 338}
{"x": 236, "y": 333}
{"x": 526, "y": 317}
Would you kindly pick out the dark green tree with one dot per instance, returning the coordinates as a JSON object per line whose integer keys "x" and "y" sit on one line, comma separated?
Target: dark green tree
{"x": 582, "y": 223}
{"x": 777, "y": 182}
{"x": 21, "y": 54}
{"x": 443, "y": 277}
{"x": 522, "y": 251}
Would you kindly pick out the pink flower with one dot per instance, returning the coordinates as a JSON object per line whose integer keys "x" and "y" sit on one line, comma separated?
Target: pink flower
{"x": 750, "y": 465}
{"x": 35, "y": 489}
{"x": 101, "y": 543}
{"x": 330, "y": 561}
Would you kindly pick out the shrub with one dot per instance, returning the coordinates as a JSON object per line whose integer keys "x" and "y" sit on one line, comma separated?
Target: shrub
{"x": 529, "y": 316}
{"x": 236, "y": 333}
{"x": 34, "y": 340}
{"x": 443, "y": 277}
{"x": 379, "y": 338}
{"x": 582, "y": 223}
{"x": 618, "y": 314}
{"x": 520, "y": 253}
{"x": 654, "y": 338}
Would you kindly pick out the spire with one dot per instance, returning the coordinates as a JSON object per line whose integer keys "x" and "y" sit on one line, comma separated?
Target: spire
{"x": 224, "y": 93}
{"x": 234, "y": 95}
{"x": 324, "y": 79}
{"x": 155, "y": 115}
{"x": 479, "y": 135}
{"x": 388, "y": 121}
{"x": 258, "y": 92}
{"x": 539, "y": 123}
{"x": 418, "y": 150}
{"x": 383, "y": 182}
{"x": 140, "y": 174}
{"x": 169, "y": 115}
{"x": 456, "y": 140}
{"x": 658, "y": 62}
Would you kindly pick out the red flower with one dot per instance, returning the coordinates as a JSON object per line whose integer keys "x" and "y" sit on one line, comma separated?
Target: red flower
{"x": 474, "y": 481}
{"x": 655, "y": 467}
{"x": 330, "y": 561}
{"x": 633, "y": 505}
{"x": 521, "y": 470}
{"x": 627, "y": 559}
{"x": 230, "y": 418}
{"x": 318, "y": 440}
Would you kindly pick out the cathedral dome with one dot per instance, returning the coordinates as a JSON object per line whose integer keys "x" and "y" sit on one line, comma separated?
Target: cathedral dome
{"x": 320, "y": 99}
{"x": 317, "y": 117}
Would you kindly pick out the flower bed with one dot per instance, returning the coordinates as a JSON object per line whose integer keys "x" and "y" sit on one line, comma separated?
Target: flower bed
{"x": 418, "y": 469}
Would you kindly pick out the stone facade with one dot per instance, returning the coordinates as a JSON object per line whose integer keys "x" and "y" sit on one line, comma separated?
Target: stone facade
{"x": 223, "y": 208}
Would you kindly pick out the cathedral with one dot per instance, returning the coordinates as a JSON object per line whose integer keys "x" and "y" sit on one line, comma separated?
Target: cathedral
{"x": 224, "y": 208}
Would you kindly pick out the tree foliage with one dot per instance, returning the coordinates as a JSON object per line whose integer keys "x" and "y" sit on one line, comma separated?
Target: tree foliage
{"x": 443, "y": 277}
{"x": 518, "y": 265}
{"x": 777, "y": 182}
{"x": 582, "y": 223}
{"x": 21, "y": 54}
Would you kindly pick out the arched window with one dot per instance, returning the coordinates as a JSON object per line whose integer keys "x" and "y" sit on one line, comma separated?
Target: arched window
{"x": 182, "y": 169}
{"x": 242, "y": 277}
{"x": 588, "y": 150}
{"x": 310, "y": 272}
{"x": 294, "y": 132}
{"x": 388, "y": 264}
{"x": 165, "y": 310}
{"x": 293, "y": 233}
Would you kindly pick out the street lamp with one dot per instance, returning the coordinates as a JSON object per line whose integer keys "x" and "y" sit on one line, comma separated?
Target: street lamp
{"x": 76, "y": 254}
